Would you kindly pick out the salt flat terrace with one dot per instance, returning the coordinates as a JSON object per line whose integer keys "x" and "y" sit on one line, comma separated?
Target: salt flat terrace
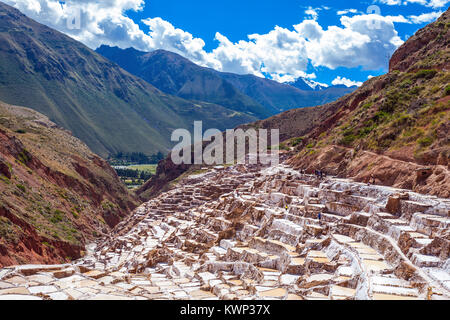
{"x": 250, "y": 232}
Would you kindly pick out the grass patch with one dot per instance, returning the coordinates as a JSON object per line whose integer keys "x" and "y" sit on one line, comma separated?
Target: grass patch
{"x": 348, "y": 140}
{"x": 406, "y": 83}
{"x": 4, "y": 179}
{"x": 108, "y": 205}
{"x": 425, "y": 74}
{"x": 425, "y": 141}
{"x": 24, "y": 157}
{"x": 21, "y": 187}
{"x": 447, "y": 90}
{"x": 58, "y": 216}
{"x": 150, "y": 168}
{"x": 367, "y": 105}
{"x": 296, "y": 141}
{"x": 416, "y": 90}
{"x": 75, "y": 214}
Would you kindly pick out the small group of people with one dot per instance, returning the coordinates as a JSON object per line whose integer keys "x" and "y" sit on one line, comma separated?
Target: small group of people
{"x": 319, "y": 174}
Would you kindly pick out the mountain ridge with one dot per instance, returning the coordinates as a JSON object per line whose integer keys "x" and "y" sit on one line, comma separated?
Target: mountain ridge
{"x": 174, "y": 74}
{"x": 107, "y": 107}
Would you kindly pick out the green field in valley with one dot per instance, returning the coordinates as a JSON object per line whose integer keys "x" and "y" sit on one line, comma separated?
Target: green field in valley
{"x": 150, "y": 168}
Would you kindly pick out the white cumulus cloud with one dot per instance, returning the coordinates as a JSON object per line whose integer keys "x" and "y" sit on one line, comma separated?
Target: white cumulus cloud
{"x": 313, "y": 12}
{"x": 365, "y": 40}
{"x": 346, "y": 11}
{"x": 425, "y": 17}
{"x": 427, "y": 3}
{"x": 281, "y": 51}
{"x": 345, "y": 82}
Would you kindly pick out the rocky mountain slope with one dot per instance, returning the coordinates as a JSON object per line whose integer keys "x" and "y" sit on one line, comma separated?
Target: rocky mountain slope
{"x": 100, "y": 103}
{"x": 393, "y": 130}
{"x": 282, "y": 97}
{"x": 173, "y": 74}
{"x": 55, "y": 194}
{"x": 395, "y": 127}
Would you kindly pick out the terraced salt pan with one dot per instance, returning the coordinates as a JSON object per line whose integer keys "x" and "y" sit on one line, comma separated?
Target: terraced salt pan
{"x": 185, "y": 224}
{"x": 375, "y": 266}
{"x": 400, "y": 291}
{"x": 341, "y": 292}
{"x": 19, "y": 297}
{"x": 390, "y": 281}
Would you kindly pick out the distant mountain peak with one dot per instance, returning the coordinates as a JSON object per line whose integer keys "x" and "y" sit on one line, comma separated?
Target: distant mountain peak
{"x": 311, "y": 85}
{"x": 308, "y": 84}
{"x": 174, "y": 74}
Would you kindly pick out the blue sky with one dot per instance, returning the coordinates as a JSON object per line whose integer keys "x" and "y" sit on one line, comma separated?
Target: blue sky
{"x": 328, "y": 41}
{"x": 236, "y": 19}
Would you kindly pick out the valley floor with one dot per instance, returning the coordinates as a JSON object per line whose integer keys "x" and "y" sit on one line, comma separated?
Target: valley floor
{"x": 249, "y": 232}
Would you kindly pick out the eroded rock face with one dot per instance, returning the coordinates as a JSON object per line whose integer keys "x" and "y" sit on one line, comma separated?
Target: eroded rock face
{"x": 55, "y": 194}
{"x": 250, "y": 232}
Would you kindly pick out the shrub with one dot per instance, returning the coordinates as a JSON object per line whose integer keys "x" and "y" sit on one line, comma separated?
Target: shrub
{"x": 367, "y": 106}
{"x": 406, "y": 83}
{"x": 24, "y": 156}
{"x": 415, "y": 90}
{"x": 447, "y": 90}
{"x": 402, "y": 120}
{"x": 363, "y": 132}
{"x": 21, "y": 187}
{"x": 435, "y": 89}
{"x": 108, "y": 205}
{"x": 296, "y": 141}
{"x": 425, "y": 74}
{"x": 347, "y": 132}
{"x": 380, "y": 116}
{"x": 347, "y": 140}
{"x": 58, "y": 216}
{"x": 393, "y": 98}
{"x": 75, "y": 214}
{"x": 425, "y": 141}
{"x": 4, "y": 179}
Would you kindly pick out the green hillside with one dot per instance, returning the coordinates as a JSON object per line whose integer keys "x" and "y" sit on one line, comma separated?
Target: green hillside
{"x": 100, "y": 103}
